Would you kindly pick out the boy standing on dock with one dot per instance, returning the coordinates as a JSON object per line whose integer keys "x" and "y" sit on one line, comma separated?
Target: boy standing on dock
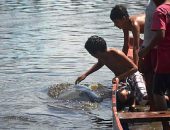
{"x": 114, "y": 59}
{"x": 160, "y": 41}
{"x": 148, "y": 62}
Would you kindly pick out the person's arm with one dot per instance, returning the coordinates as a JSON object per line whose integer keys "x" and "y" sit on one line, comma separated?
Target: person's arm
{"x": 159, "y": 27}
{"x": 94, "y": 68}
{"x": 159, "y": 35}
{"x": 136, "y": 36}
{"x": 126, "y": 41}
{"x": 126, "y": 74}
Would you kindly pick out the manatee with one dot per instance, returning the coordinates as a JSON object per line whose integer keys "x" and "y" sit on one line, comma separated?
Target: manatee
{"x": 79, "y": 93}
{"x": 89, "y": 93}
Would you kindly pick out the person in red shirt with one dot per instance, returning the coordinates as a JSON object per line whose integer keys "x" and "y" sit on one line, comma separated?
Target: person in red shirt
{"x": 160, "y": 41}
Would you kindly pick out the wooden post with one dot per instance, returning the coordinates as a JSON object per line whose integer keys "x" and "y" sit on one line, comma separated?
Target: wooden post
{"x": 116, "y": 122}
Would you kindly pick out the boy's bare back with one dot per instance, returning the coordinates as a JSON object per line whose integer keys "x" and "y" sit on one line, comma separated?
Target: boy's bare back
{"x": 116, "y": 61}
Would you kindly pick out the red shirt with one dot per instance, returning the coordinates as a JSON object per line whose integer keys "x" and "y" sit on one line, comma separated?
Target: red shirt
{"x": 161, "y": 21}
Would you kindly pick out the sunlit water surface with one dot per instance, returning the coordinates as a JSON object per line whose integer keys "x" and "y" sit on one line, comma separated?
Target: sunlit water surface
{"x": 41, "y": 44}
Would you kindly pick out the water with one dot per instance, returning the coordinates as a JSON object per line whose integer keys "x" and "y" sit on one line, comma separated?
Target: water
{"x": 41, "y": 44}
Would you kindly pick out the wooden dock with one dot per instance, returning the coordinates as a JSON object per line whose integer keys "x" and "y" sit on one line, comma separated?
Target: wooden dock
{"x": 136, "y": 117}
{"x": 121, "y": 119}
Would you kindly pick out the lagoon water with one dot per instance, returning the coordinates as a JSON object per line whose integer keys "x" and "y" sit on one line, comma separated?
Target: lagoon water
{"x": 42, "y": 44}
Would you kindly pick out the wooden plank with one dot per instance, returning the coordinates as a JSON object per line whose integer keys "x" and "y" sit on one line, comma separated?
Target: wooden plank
{"x": 132, "y": 117}
{"x": 116, "y": 122}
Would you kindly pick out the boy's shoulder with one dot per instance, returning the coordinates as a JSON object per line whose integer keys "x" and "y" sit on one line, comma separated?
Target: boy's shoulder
{"x": 138, "y": 19}
{"x": 114, "y": 50}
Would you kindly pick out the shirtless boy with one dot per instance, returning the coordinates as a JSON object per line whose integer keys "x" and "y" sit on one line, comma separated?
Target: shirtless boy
{"x": 134, "y": 24}
{"x": 114, "y": 59}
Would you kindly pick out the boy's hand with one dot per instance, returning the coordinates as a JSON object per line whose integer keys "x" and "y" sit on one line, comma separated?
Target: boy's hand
{"x": 79, "y": 79}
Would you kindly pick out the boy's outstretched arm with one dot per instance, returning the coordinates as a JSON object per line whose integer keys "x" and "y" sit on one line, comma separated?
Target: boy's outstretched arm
{"x": 94, "y": 68}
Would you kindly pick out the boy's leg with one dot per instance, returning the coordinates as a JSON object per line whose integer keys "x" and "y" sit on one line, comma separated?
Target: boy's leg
{"x": 138, "y": 84}
{"x": 167, "y": 98}
{"x": 161, "y": 105}
{"x": 146, "y": 66}
{"x": 148, "y": 79}
{"x": 161, "y": 84}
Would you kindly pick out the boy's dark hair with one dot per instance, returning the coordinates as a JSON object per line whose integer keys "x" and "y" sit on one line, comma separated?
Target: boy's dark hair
{"x": 118, "y": 12}
{"x": 94, "y": 44}
{"x": 121, "y": 105}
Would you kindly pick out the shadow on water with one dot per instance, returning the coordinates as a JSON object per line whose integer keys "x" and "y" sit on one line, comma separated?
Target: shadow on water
{"x": 51, "y": 111}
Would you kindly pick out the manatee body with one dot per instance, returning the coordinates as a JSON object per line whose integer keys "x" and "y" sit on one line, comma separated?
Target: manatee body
{"x": 80, "y": 93}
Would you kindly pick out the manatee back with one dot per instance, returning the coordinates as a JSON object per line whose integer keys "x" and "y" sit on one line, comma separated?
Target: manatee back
{"x": 86, "y": 91}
